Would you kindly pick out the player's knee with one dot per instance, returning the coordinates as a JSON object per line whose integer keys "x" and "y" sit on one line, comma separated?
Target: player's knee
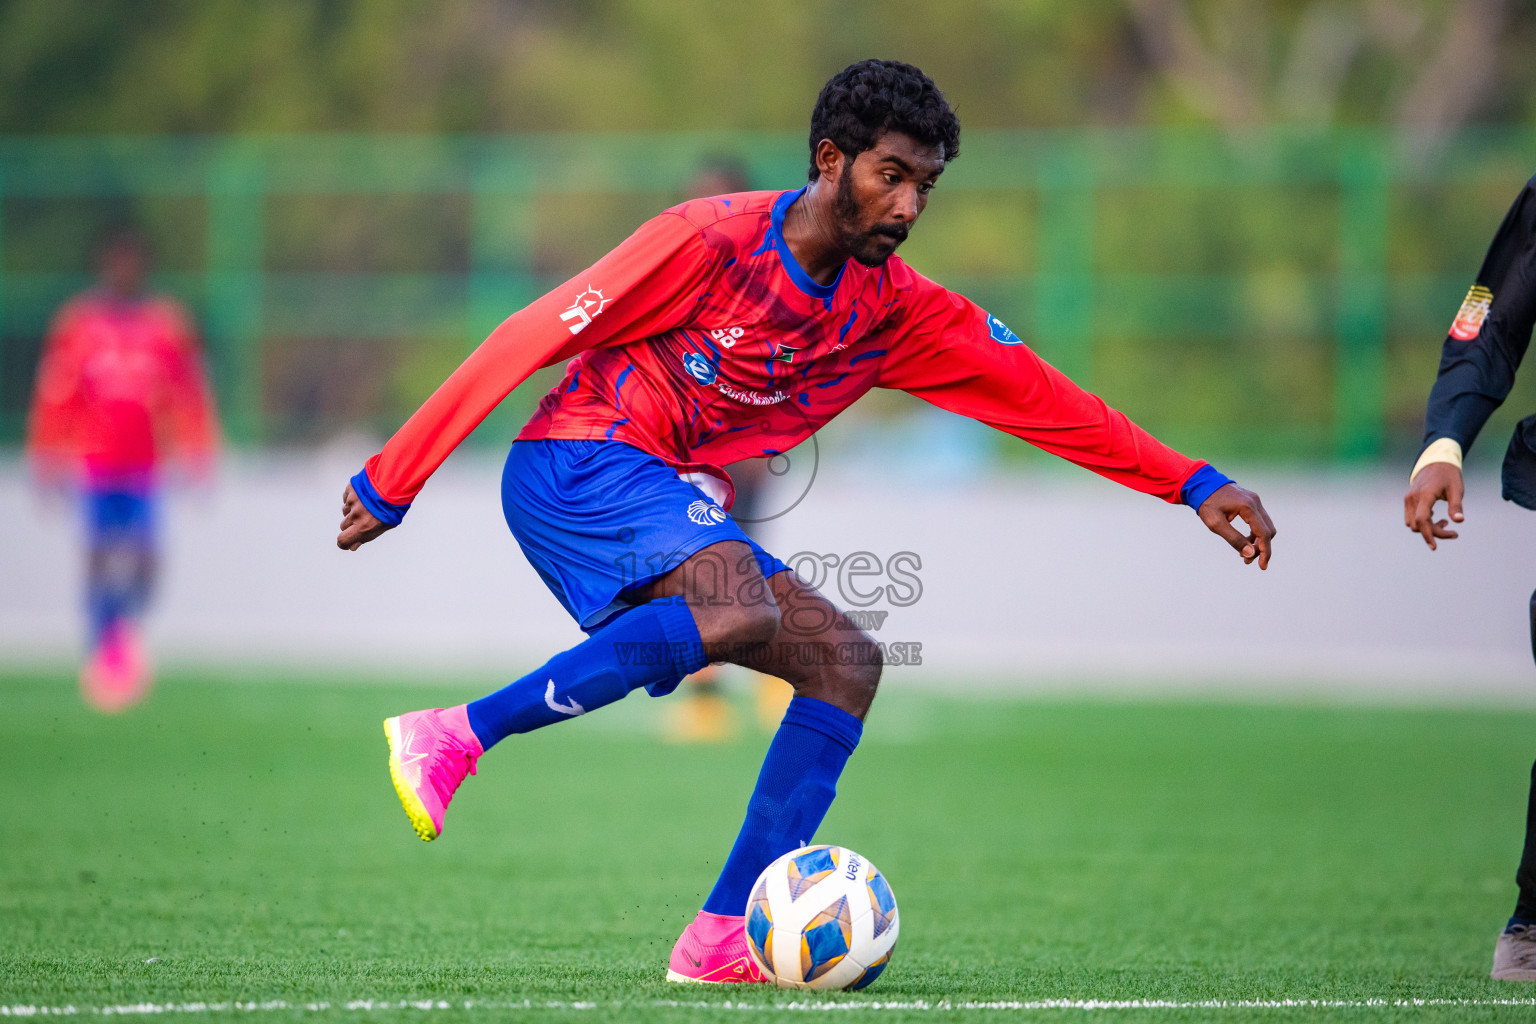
{"x": 759, "y": 623}
{"x": 738, "y": 626}
{"x": 854, "y": 676}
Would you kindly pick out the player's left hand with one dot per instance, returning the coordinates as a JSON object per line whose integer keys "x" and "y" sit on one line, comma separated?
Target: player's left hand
{"x": 1227, "y": 504}
{"x": 358, "y": 525}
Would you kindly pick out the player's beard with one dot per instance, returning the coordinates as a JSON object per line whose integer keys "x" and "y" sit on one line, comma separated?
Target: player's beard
{"x": 870, "y": 246}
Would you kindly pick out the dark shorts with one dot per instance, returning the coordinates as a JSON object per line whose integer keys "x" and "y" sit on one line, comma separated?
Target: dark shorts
{"x": 600, "y": 518}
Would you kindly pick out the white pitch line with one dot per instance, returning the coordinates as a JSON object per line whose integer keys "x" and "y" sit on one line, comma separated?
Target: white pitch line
{"x": 943, "y": 1005}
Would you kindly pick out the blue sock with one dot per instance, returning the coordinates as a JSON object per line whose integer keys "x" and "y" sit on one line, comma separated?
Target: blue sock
{"x": 794, "y": 790}
{"x": 108, "y": 599}
{"x": 115, "y": 589}
{"x": 655, "y": 646}
{"x": 103, "y": 609}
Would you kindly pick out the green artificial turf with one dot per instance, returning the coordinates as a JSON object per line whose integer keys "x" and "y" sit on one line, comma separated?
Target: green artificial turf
{"x": 246, "y": 837}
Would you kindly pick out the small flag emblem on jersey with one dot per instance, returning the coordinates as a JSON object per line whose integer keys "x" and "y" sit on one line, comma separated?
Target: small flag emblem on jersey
{"x": 1000, "y": 332}
{"x": 1474, "y": 310}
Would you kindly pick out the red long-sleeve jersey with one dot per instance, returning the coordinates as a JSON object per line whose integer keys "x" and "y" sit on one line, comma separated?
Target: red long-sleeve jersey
{"x": 700, "y": 340}
{"x": 120, "y": 387}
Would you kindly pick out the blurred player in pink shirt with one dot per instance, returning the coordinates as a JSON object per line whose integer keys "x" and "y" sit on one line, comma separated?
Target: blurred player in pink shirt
{"x": 121, "y": 393}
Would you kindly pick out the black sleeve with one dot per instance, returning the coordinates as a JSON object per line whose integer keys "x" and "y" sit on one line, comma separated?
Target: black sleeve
{"x": 1492, "y": 330}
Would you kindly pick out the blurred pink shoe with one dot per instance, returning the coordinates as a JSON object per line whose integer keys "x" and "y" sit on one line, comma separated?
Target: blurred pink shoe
{"x": 430, "y": 752}
{"x": 116, "y": 676}
{"x": 713, "y": 949}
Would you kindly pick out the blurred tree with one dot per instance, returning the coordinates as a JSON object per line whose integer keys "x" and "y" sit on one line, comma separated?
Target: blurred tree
{"x": 1187, "y": 302}
{"x": 1422, "y": 65}
{"x": 495, "y": 65}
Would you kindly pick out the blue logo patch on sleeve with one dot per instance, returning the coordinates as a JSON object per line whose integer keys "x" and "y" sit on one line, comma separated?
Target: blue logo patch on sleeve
{"x": 1000, "y": 332}
{"x": 700, "y": 368}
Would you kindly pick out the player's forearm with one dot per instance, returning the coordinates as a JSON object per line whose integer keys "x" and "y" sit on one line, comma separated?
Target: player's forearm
{"x": 1457, "y": 409}
{"x": 1119, "y": 450}
{"x": 391, "y": 479}
{"x": 1477, "y": 373}
{"x": 1474, "y": 380}
{"x": 644, "y": 286}
{"x": 1039, "y": 404}
{"x": 1081, "y": 427}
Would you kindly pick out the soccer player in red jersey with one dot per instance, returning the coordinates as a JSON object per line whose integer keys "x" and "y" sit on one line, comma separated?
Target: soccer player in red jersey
{"x": 724, "y": 329}
{"x": 120, "y": 390}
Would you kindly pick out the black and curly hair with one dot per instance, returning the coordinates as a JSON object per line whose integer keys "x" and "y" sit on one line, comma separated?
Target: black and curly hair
{"x": 865, "y": 100}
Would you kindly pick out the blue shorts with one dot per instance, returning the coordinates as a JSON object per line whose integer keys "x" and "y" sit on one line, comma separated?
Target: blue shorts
{"x": 117, "y": 515}
{"x": 600, "y": 518}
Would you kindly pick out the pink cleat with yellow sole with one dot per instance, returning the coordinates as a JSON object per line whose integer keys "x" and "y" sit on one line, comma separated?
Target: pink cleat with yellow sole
{"x": 713, "y": 950}
{"x": 117, "y": 675}
{"x": 430, "y": 753}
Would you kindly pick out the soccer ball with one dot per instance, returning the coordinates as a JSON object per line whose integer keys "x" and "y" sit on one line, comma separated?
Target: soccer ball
{"x": 821, "y": 917}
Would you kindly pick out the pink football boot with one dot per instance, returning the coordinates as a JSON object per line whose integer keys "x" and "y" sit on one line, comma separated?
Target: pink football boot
{"x": 713, "y": 949}
{"x": 117, "y": 675}
{"x": 430, "y": 752}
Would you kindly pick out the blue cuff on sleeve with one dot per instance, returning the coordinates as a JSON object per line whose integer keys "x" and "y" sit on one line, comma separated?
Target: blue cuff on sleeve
{"x": 384, "y": 511}
{"x": 1202, "y": 483}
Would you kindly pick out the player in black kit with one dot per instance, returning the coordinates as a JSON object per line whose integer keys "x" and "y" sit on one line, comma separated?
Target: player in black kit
{"x": 1477, "y": 369}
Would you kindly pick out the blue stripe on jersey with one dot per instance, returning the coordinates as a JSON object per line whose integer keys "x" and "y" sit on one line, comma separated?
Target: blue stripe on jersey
{"x": 617, "y": 401}
{"x": 843, "y": 331}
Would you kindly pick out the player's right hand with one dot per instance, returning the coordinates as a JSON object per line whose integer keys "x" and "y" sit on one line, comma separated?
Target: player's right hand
{"x": 1230, "y": 502}
{"x": 1438, "y": 481}
{"x": 358, "y": 525}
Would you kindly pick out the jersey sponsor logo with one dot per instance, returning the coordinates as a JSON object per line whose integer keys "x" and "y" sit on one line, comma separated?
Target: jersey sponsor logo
{"x": 707, "y": 372}
{"x": 728, "y": 336}
{"x": 1474, "y": 310}
{"x": 706, "y": 513}
{"x": 587, "y": 305}
{"x": 746, "y": 397}
{"x": 700, "y": 368}
{"x": 1000, "y": 332}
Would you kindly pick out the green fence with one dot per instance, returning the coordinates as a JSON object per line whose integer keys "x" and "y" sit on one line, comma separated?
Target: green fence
{"x": 1273, "y": 295}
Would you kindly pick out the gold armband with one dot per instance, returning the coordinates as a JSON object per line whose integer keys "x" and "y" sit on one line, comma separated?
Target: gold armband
{"x": 1443, "y": 449}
